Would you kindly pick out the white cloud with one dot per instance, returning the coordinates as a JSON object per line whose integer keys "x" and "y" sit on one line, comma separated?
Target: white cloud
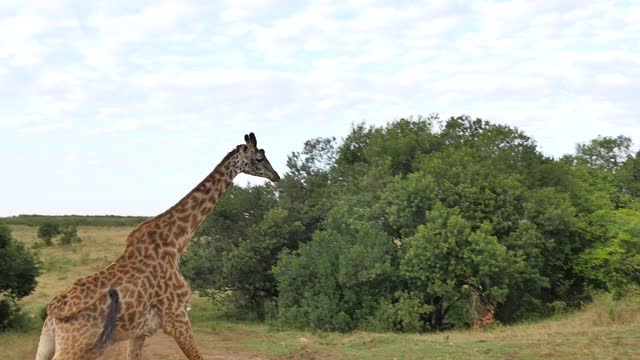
{"x": 612, "y": 79}
{"x": 13, "y": 121}
{"x": 563, "y": 70}
{"x": 332, "y": 57}
{"x": 17, "y": 44}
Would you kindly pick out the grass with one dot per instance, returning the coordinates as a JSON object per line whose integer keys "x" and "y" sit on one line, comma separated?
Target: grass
{"x": 18, "y": 346}
{"x": 604, "y": 329}
{"x": 61, "y": 265}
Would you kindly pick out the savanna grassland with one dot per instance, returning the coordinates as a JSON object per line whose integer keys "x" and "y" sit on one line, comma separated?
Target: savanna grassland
{"x": 604, "y": 329}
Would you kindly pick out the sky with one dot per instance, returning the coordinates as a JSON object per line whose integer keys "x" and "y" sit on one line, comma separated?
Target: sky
{"x": 121, "y": 107}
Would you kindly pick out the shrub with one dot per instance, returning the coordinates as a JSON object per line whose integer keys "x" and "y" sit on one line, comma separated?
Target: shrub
{"x": 47, "y": 232}
{"x": 19, "y": 270}
{"x": 11, "y": 316}
{"x": 69, "y": 235}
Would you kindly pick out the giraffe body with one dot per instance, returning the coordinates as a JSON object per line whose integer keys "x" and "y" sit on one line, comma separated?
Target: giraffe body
{"x": 151, "y": 292}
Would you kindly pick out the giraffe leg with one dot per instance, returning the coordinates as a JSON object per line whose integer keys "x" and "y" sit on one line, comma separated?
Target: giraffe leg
{"x": 180, "y": 329}
{"x": 47, "y": 344}
{"x": 135, "y": 347}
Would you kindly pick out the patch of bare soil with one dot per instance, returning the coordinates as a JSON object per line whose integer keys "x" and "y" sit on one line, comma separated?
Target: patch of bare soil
{"x": 163, "y": 347}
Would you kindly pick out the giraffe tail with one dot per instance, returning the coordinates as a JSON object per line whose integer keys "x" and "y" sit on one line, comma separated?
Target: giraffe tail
{"x": 110, "y": 322}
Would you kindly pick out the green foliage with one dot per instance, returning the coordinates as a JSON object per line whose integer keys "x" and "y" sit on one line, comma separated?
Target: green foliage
{"x": 239, "y": 243}
{"x": 47, "y": 231}
{"x": 12, "y": 317}
{"x": 606, "y": 152}
{"x": 19, "y": 270}
{"x": 247, "y": 267}
{"x": 628, "y": 177}
{"x": 424, "y": 224}
{"x": 403, "y": 313}
{"x": 401, "y": 142}
{"x": 607, "y": 165}
{"x": 206, "y": 263}
{"x": 446, "y": 255}
{"x": 405, "y": 201}
{"x": 237, "y": 211}
{"x": 335, "y": 281}
{"x": 238, "y": 256}
{"x": 614, "y": 264}
{"x": 5, "y": 236}
{"x": 69, "y": 235}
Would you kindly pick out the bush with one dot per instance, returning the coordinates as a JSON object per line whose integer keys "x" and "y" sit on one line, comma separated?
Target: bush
{"x": 334, "y": 282}
{"x": 12, "y": 317}
{"x": 69, "y": 235}
{"x": 19, "y": 270}
{"x": 5, "y": 236}
{"x": 403, "y": 314}
{"x": 47, "y": 232}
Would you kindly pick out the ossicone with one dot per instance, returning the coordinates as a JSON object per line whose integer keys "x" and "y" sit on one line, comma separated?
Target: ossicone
{"x": 250, "y": 140}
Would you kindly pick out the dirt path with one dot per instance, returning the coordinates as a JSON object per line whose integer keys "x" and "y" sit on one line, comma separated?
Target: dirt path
{"x": 162, "y": 347}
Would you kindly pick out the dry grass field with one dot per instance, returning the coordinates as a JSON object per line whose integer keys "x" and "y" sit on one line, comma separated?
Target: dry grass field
{"x": 604, "y": 329}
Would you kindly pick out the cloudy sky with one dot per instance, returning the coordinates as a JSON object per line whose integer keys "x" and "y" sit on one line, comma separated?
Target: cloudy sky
{"x": 121, "y": 107}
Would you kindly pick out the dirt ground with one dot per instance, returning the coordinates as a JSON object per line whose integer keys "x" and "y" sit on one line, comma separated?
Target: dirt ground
{"x": 163, "y": 347}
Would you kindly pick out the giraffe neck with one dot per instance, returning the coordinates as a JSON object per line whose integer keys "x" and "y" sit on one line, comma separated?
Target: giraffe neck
{"x": 173, "y": 229}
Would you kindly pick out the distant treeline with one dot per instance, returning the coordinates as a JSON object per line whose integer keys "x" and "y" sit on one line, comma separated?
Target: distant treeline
{"x": 77, "y": 220}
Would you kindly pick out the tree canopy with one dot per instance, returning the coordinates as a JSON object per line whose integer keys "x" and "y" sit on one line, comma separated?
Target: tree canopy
{"x": 19, "y": 270}
{"x": 424, "y": 224}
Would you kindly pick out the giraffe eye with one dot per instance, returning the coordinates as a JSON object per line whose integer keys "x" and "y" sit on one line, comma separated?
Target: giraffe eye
{"x": 260, "y": 159}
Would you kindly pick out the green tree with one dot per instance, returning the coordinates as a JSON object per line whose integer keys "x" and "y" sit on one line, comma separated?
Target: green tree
{"x": 629, "y": 176}
{"x": 5, "y": 236}
{"x": 422, "y": 224}
{"x": 405, "y": 201}
{"x": 614, "y": 264}
{"x": 335, "y": 282}
{"x": 468, "y": 179}
{"x": 248, "y": 266}
{"x": 305, "y": 189}
{"x": 446, "y": 256}
{"x": 206, "y": 263}
{"x": 47, "y": 231}
{"x": 606, "y": 152}
{"x": 563, "y": 231}
{"x": 401, "y": 142}
{"x": 69, "y": 235}
{"x": 529, "y": 249}
{"x": 604, "y": 159}
{"x": 19, "y": 270}
{"x": 238, "y": 210}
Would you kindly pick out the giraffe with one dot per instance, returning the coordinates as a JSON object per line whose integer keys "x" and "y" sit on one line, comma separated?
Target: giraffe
{"x": 143, "y": 291}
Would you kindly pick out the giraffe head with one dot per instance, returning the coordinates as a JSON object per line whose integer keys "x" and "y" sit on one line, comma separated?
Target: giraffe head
{"x": 253, "y": 161}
